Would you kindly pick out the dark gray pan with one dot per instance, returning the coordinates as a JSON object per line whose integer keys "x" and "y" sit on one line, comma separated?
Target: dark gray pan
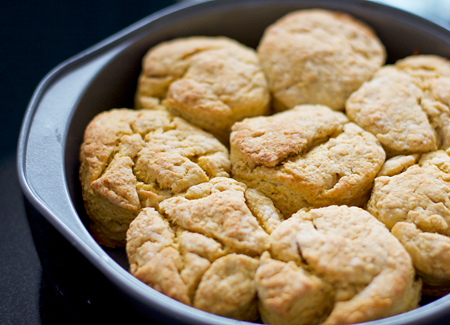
{"x": 104, "y": 77}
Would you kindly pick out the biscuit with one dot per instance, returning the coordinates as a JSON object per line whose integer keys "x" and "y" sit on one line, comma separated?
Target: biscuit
{"x": 397, "y": 165}
{"x": 211, "y": 82}
{"x": 318, "y": 57}
{"x": 415, "y": 205}
{"x": 309, "y": 156}
{"x": 334, "y": 265}
{"x": 202, "y": 248}
{"x": 133, "y": 159}
{"x": 407, "y": 106}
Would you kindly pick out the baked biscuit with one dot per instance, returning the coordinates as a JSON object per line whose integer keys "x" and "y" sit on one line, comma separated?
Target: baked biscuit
{"x": 318, "y": 57}
{"x": 133, "y": 159}
{"x": 309, "y": 156}
{"x": 334, "y": 265}
{"x": 398, "y": 164}
{"x": 415, "y": 205}
{"x": 212, "y": 82}
{"x": 407, "y": 106}
{"x": 202, "y": 248}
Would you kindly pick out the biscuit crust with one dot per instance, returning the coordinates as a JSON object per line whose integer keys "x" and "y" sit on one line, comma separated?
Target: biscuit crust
{"x": 415, "y": 205}
{"x": 342, "y": 257}
{"x": 318, "y": 57}
{"x": 211, "y": 82}
{"x": 290, "y": 295}
{"x": 318, "y": 159}
{"x": 219, "y": 212}
{"x": 203, "y": 247}
{"x": 133, "y": 159}
{"x": 397, "y": 165}
{"x": 406, "y": 105}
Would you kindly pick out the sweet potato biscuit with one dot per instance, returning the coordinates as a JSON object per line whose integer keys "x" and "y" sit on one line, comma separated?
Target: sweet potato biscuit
{"x": 415, "y": 205}
{"x": 318, "y": 57}
{"x": 218, "y": 209}
{"x": 407, "y": 106}
{"x": 133, "y": 159}
{"x": 397, "y": 165}
{"x": 210, "y": 81}
{"x": 334, "y": 265}
{"x": 309, "y": 156}
{"x": 290, "y": 295}
{"x": 202, "y": 248}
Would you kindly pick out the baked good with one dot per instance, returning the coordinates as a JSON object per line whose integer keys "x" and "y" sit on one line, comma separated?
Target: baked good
{"x": 334, "y": 265}
{"x": 309, "y": 156}
{"x": 415, "y": 205}
{"x": 318, "y": 57}
{"x": 398, "y": 164}
{"x": 406, "y": 105}
{"x": 133, "y": 159}
{"x": 211, "y": 82}
{"x": 221, "y": 244}
{"x": 202, "y": 248}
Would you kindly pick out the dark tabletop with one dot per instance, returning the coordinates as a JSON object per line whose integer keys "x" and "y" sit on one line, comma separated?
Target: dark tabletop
{"x": 36, "y": 36}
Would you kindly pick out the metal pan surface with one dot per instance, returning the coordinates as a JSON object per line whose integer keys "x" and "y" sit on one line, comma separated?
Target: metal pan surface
{"x": 105, "y": 77}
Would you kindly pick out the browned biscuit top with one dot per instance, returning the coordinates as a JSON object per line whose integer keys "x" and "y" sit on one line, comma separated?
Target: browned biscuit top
{"x": 351, "y": 269}
{"x": 407, "y": 106}
{"x": 133, "y": 159}
{"x": 415, "y": 205}
{"x": 210, "y": 81}
{"x": 203, "y": 247}
{"x": 270, "y": 140}
{"x": 318, "y": 57}
{"x": 318, "y": 159}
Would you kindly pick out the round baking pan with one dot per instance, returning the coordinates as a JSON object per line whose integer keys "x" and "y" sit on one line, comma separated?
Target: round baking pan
{"x": 105, "y": 77}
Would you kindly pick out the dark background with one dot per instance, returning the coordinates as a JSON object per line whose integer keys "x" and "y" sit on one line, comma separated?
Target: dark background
{"x": 36, "y": 36}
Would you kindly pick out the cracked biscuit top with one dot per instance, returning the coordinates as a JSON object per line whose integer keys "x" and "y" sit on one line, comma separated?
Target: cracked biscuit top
{"x": 407, "y": 105}
{"x": 318, "y": 57}
{"x": 334, "y": 265}
{"x": 210, "y": 81}
{"x": 202, "y": 248}
{"x": 415, "y": 205}
{"x": 309, "y": 156}
{"x": 132, "y": 159}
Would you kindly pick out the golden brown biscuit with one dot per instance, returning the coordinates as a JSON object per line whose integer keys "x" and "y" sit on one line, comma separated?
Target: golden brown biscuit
{"x": 148, "y": 102}
{"x": 203, "y": 248}
{"x": 406, "y": 106}
{"x": 309, "y": 156}
{"x": 415, "y": 205}
{"x": 228, "y": 288}
{"x": 334, "y": 265}
{"x": 269, "y": 217}
{"x": 318, "y": 57}
{"x": 210, "y": 81}
{"x": 133, "y": 159}
{"x": 425, "y": 67}
{"x": 288, "y": 294}
{"x": 218, "y": 209}
{"x": 397, "y": 165}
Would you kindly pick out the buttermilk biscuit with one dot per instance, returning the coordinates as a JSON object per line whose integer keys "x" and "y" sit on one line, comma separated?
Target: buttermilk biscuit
{"x": 406, "y": 105}
{"x": 202, "y": 248}
{"x": 309, "y": 156}
{"x": 210, "y": 81}
{"x": 415, "y": 205}
{"x": 318, "y": 57}
{"x": 334, "y": 265}
{"x": 133, "y": 159}
{"x": 397, "y": 165}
